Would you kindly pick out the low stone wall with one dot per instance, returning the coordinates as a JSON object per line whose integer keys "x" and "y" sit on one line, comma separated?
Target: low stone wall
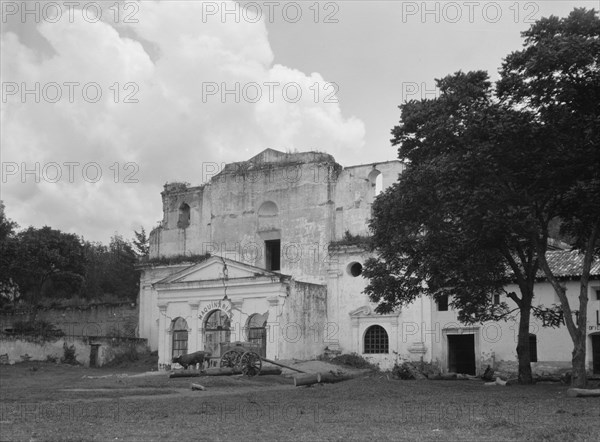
{"x": 542, "y": 368}
{"x": 20, "y": 348}
{"x": 119, "y": 320}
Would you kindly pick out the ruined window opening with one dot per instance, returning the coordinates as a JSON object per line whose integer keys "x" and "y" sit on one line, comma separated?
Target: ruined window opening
{"x": 376, "y": 180}
{"x": 184, "y": 216}
{"x": 533, "y": 347}
{"x": 378, "y": 184}
{"x": 354, "y": 269}
{"x": 442, "y": 303}
{"x": 273, "y": 254}
{"x": 597, "y": 294}
{"x": 496, "y": 299}
{"x": 180, "y": 337}
{"x": 376, "y": 340}
{"x": 268, "y": 209}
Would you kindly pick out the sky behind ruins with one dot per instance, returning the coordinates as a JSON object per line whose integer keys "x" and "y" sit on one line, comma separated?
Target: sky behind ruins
{"x": 329, "y": 79}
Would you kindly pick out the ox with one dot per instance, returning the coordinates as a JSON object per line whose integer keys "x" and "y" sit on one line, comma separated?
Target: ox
{"x": 192, "y": 359}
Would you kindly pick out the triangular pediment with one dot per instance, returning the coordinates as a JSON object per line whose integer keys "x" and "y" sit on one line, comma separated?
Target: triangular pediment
{"x": 217, "y": 268}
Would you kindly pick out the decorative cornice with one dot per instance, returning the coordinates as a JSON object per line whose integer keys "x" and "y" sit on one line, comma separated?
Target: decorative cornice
{"x": 273, "y": 301}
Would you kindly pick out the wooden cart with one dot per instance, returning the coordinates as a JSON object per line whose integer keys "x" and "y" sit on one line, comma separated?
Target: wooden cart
{"x": 245, "y": 356}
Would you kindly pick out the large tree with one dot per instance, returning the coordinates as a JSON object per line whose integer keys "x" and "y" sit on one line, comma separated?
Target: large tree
{"x": 557, "y": 78}
{"x": 141, "y": 243}
{"x": 459, "y": 219}
{"x": 487, "y": 178}
{"x": 9, "y": 290}
{"x": 46, "y": 259}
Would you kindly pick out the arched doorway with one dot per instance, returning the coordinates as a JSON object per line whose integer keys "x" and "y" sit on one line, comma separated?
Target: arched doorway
{"x": 217, "y": 330}
{"x": 180, "y": 337}
{"x": 256, "y": 330}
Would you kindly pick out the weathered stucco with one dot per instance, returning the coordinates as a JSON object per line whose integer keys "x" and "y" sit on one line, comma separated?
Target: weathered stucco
{"x": 316, "y": 202}
{"x": 40, "y": 349}
{"x": 313, "y": 302}
{"x": 89, "y": 320}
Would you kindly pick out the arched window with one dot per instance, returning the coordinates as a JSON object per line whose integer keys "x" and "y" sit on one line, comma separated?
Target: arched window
{"x": 376, "y": 340}
{"x": 376, "y": 180}
{"x": 533, "y": 347}
{"x": 268, "y": 209}
{"x": 180, "y": 337}
{"x": 184, "y": 216}
{"x": 257, "y": 332}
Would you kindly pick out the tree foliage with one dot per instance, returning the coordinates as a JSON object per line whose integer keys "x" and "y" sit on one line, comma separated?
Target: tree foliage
{"x": 141, "y": 242}
{"x": 45, "y": 265}
{"x": 487, "y": 177}
{"x": 557, "y": 78}
{"x": 457, "y": 221}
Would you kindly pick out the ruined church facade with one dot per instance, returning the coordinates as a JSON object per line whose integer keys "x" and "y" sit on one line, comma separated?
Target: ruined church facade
{"x": 268, "y": 252}
{"x": 271, "y": 260}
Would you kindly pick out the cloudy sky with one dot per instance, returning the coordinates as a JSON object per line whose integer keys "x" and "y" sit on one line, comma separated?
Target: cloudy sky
{"x": 101, "y": 106}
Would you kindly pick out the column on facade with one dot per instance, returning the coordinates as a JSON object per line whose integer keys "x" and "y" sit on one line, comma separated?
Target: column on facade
{"x": 163, "y": 327}
{"x": 333, "y": 302}
{"x": 273, "y": 328}
{"x": 356, "y": 344}
{"x": 193, "y": 343}
{"x": 238, "y": 321}
{"x": 395, "y": 342}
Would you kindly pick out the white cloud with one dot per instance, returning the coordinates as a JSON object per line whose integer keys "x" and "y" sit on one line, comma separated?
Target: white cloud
{"x": 167, "y": 57}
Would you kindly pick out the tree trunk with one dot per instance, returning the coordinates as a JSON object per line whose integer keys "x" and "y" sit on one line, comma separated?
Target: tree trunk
{"x": 578, "y": 392}
{"x": 525, "y": 375}
{"x": 579, "y": 375}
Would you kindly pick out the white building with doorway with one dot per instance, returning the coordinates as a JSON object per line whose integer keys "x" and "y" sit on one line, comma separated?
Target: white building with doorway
{"x": 269, "y": 252}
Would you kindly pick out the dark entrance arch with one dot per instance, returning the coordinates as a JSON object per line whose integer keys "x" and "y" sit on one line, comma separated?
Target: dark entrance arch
{"x": 257, "y": 332}
{"x": 217, "y": 330}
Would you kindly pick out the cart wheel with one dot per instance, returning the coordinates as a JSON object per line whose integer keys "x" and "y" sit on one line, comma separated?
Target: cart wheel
{"x": 230, "y": 358}
{"x": 251, "y": 363}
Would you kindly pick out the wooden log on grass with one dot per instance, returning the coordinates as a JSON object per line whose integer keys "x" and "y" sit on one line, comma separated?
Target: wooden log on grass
{"x": 583, "y": 392}
{"x": 222, "y": 371}
{"x": 198, "y": 387}
{"x": 320, "y": 378}
{"x": 306, "y": 379}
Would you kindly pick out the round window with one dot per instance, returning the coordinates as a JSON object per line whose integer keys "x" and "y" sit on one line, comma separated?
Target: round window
{"x": 354, "y": 269}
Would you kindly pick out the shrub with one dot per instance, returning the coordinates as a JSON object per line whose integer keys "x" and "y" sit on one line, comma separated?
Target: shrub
{"x": 69, "y": 355}
{"x": 355, "y": 361}
{"x": 402, "y": 371}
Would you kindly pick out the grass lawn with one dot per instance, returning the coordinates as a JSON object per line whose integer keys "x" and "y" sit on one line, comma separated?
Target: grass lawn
{"x": 42, "y": 401}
